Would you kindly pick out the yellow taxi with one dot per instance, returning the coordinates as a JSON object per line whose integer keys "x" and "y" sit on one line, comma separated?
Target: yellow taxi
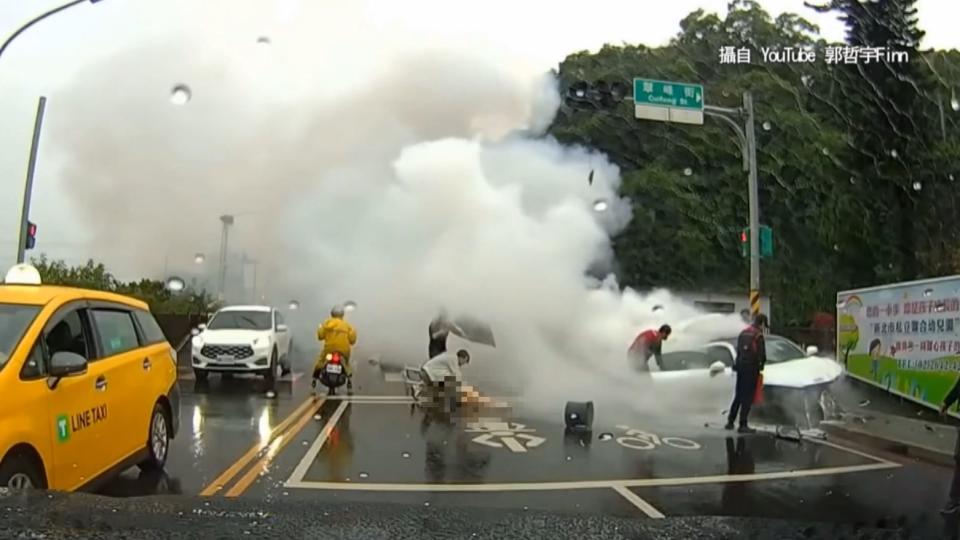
{"x": 88, "y": 384}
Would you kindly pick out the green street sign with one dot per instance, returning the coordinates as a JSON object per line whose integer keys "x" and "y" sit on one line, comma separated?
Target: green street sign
{"x": 667, "y": 101}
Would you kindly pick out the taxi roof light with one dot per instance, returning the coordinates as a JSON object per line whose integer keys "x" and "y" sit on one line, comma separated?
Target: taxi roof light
{"x": 23, "y": 274}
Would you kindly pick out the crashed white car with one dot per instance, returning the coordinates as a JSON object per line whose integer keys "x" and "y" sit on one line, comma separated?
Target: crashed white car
{"x": 242, "y": 339}
{"x": 795, "y": 381}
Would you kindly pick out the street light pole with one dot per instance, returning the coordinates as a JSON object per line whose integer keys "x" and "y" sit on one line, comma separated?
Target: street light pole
{"x": 227, "y": 221}
{"x": 747, "y": 138}
{"x": 28, "y": 188}
{"x": 28, "y": 185}
{"x": 39, "y": 18}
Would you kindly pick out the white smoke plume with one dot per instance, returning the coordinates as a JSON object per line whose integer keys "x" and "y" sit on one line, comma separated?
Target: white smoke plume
{"x": 424, "y": 182}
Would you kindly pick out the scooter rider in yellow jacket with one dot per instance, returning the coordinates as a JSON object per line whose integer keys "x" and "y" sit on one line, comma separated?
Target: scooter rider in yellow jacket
{"x": 337, "y": 336}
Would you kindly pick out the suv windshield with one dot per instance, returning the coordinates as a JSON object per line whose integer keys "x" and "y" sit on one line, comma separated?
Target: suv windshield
{"x": 778, "y": 349}
{"x": 241, "y": 320}
{"x": 14, "y": 320}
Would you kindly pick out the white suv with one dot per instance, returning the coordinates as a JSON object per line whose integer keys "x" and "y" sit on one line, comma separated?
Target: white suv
{"x": 242, "y": 339}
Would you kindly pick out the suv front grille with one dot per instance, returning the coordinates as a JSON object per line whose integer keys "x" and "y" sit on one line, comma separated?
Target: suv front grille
{"x": 236, "y": 351}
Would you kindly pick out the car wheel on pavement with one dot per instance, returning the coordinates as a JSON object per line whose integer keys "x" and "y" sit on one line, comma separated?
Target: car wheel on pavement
{"x": 158, "y": 440}
{"x": 271, "y": 374}
{"x": 19, "y": 472}
{"x": 200, "y": 375}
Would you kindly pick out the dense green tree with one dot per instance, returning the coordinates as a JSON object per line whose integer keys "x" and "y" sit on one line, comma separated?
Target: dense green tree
{"x": 832, "y": 196}
{"x": 93, "y": 275}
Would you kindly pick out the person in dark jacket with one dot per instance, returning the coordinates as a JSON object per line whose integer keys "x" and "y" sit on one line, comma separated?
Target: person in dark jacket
{"x": 439, "y": 329}
{"x": 750, "y": 361}
{"x": 953, "y": 504}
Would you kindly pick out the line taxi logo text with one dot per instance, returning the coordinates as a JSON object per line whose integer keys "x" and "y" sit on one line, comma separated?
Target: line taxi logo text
{"x": 69, "y": 424}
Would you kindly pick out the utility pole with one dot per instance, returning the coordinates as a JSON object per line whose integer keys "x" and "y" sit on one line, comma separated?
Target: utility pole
{"x": 683, "y": 103}
{"x": 28, "y": 185}
{"x": 227, "y": 221}
{"x": 746, "y": 136}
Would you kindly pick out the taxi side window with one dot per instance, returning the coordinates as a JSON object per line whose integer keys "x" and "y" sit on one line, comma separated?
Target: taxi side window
{"x": 69, "y": 335}
{"x": 116, "y": 331}
{"x": 36, "y": 366}
{"x": 152, "y": 333}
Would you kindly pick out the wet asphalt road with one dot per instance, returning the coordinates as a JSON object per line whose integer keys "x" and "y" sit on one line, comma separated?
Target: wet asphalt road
{"x": 376, "y": 448}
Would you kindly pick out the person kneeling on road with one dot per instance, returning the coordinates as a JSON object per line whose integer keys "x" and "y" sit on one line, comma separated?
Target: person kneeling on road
{"x": 338, "y": 336}
{"x": 749, "y": 364}
{"x": 442, "y": 378}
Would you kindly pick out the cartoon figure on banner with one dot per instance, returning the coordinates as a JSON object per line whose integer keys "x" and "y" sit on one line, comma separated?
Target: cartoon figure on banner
{"x": 876, "y": 348}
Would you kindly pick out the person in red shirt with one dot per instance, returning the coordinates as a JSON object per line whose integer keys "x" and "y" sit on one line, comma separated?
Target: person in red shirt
{"x": 649, "y": 343}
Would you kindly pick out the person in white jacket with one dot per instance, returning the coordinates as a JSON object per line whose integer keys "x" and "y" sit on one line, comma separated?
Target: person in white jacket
{"x": 442, "y": 376}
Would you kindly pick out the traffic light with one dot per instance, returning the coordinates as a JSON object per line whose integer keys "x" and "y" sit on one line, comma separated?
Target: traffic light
{"x": 31, "y": 235}
{"x": 598, "y": 95}
{"x": 766, "y": 241}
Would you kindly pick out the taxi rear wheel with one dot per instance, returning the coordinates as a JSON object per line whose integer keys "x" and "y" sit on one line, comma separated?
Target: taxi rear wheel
{"x": 19, "y": 472}
{"x": 158, "y": 440}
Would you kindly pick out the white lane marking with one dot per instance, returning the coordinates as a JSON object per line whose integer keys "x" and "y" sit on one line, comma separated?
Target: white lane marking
{"x": 590, "y": 484}
{"x": 369, "y": 398}
{"x": 311, "y": 455}
{"x": 635, "y": 500}
{"x": 851, "y": 450}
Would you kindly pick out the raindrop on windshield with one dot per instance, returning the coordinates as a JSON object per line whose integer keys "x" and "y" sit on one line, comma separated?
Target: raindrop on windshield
{"x": 271, "y": 394}
{"x": 941, "y": 306}
{"x": 928, "y": 292}
{"x": 853, "y": 180}
{"x": 318, "y": 416}
{"x": 263, "y": 40}
{"x": 657, "y": 308}
{"x": 364, "y": 475}
{"x": 180, "y": 94}
{"x": 767, "y": 126}
{"x": 894, "y": 153}
{"x": 606, "y": 436}
{"x": 954, "y": 104}
{"x": 836, "y": 247}
{"x": 825, "y": 152}
{"x": 293, "y": 305}
{"x": 841, "y": 303}
{"x": 699, "y": 35}
{"x": 304, "y": 443}
{"x": 569, "y": 458}
{"x": 405, "y": 455}
{"x": 175, "y": 284}
{"x": 426, "y": 503}
{"x": 688, "y": 171}
{"x": 600, "y": 205}
{"x": 917, "y": 186}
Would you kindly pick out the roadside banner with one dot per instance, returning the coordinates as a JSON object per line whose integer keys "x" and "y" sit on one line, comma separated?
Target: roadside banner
{"x": 904, "y": 338}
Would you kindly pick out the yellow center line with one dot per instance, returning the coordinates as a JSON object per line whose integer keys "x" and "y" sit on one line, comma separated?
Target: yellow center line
{"x": 254, "y": 472}
{"x": 226, "y": 476}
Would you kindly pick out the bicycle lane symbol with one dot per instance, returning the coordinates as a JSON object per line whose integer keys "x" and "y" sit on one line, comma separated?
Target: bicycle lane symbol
{"x": 515, "y": 437}
{"x": 643, "y": 440}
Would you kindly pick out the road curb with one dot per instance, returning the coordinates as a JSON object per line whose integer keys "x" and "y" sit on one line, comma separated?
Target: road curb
{"x": 902, "y": 448}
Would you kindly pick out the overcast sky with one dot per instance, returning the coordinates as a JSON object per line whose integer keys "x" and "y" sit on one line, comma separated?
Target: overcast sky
{"x": 528, "y": 36}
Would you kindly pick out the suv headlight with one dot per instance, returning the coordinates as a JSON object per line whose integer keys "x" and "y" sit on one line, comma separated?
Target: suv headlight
{"x": 197, "y": 342}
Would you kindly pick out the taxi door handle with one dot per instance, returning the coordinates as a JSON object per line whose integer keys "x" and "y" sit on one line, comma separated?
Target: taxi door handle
{"x": 101, "y": 383}
{"x": 147, "y": 364}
